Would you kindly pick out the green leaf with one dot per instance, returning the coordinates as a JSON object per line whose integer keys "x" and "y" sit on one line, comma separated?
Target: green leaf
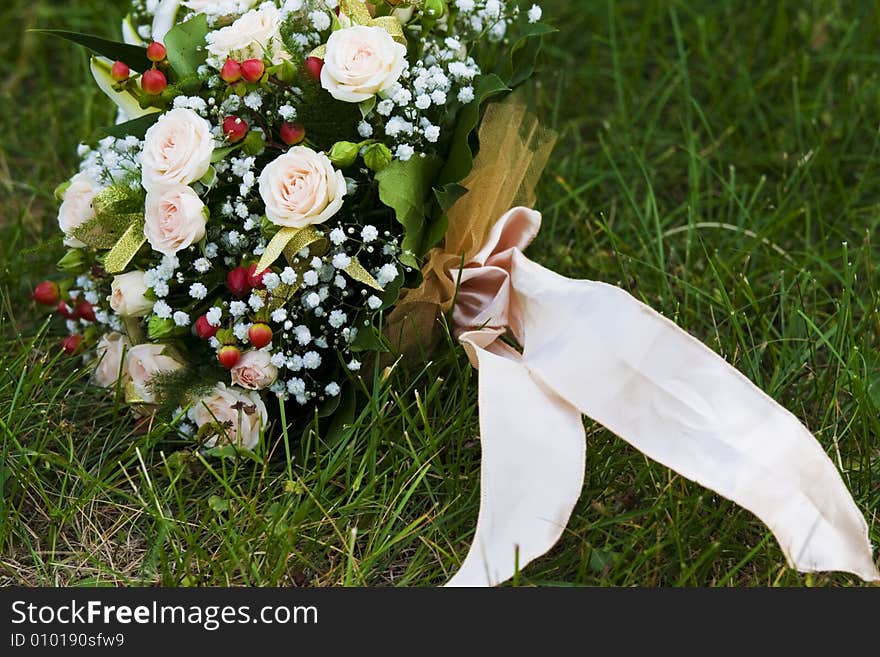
{"x": 524, "y": 53}
{"x": 186, "y": 46}
{"x": 461, "y": 158}
{"x": 218, "y": 504}
{"x": 343, "y": 416}
{"x": 134, "y": 56}
{"x": 134, "y": 128}
{"x": 125, "y": 100}
{"x": 405, "y": 187}
{"x": 221, "y": 153}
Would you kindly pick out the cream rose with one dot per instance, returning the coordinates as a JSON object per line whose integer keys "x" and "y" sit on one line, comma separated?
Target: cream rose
{"x": 127, "y": 295}
{"x": 76, "y": 206}
{"x": 241, "y": 413}
{"x": 361, "y": 62}
{"x": 177, "y": 150}
{"x": 111, "y": 352}
{"x": 175, "y": 219}
{"x": 253, "y": 36}
{"x": 143, "y": 363}
{"x": 301, "y": 188}
{"x": 254, "y": 371}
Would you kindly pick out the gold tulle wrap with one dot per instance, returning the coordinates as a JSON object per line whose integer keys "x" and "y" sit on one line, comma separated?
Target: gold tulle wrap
{"x": 514, "y": 149}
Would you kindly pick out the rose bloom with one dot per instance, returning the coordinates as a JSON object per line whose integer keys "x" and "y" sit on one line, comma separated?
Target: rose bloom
{"x": 76, "y": 206}
{"x": 143, "y": 363}
{"x": 361, "y": 62}
{"x": 241, "y": 413}
{"x": 111, "y": 352}
{"x": 301, "y": 188}
{"x": 177, "y": 150}
{"x": 175, "y": 219}
{"x": 253, "y": 36}
{"x": 254, "y": 371}
{"x": 127, "y": 295}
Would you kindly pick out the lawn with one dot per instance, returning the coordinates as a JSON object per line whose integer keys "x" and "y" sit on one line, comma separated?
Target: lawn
{"x": 718, "y": 160}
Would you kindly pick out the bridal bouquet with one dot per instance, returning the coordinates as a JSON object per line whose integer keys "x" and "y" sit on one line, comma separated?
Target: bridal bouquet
{"x": 297, "y": 188}
{"x": 278, "y": 173}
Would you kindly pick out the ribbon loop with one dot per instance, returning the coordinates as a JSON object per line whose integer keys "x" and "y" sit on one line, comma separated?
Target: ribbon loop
{"x": 592, "y": 348}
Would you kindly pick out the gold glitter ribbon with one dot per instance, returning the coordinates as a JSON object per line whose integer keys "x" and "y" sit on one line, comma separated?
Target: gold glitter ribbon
{"x": 118, "y": 225}
{"x": 357, "y": 272}
{"x": 290, "y": 241}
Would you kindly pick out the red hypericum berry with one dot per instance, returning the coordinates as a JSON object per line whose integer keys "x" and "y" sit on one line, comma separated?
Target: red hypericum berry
{"x": 292, "y": 133}
{"x": 235, "y": 128}
{"x": 255, "y": 279}
{"x": 47, "y": 294}
{"x": 204, "y": 329}
{"x": 260, "y": 335}
{"x": 86, "y": 311}
{"x": 66, "y": 311}
{"x": 71, "y": 344}
{"x": 156, "y": 52}
{"x": 314, "y": 66}
{"x": 154, "y": 82}
{"x": 229, "y": 356}
{"x": 120, "y": 72}
{"x": 252, "y": 69}
{"x": 238, "y": 283}
{"x": 231, "y": 71}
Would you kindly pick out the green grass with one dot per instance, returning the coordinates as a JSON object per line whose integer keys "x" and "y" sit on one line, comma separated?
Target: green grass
{"x": 718, "y": 160}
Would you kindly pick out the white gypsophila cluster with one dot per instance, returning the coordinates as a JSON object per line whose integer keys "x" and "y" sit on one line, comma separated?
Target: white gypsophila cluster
{"x": 112, "y": 161}
{"x": 320, "y": 324}
{"x": 490, "y": 19}
{"x": 412, "y": 111}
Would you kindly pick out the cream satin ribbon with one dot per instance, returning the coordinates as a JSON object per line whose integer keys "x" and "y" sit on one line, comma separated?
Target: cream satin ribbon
{"x": 591, "y": 348}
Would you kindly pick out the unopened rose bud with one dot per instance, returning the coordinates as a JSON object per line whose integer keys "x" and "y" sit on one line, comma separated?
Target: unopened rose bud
{"x": 255, "y": 279}
{"x": 292, "y": 133}
{"x": 204, "y": 329}
{"x": 72, "y": 344}
{"x": 377, "y": 157}
{"x": 314, "y": 66}
{"x": 154, "y": 82}
{"x": 229, "y": 356}
{"x": 238, "y": 282}
{"x": 156, "y": 52}
{"x": 235, "y": 129}
{"x": 85, "y": 311}
{"x": 231, "y": 71}
{"x": 120, "y": 72}
{"x": 252, "y": 69}
{"x": 344, "y": 154}
{"x": 260, "y": 335}
{"x": 47, "y": 294}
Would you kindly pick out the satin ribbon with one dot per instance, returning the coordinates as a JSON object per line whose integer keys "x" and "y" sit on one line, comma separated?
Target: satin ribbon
{"x": 590, "y": 348}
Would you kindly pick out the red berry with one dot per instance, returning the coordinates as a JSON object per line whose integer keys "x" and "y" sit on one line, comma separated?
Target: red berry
{"x": 235, "y": 128}
{"x": 260, "y": 335}
{"x": 238, "y": 283}
{"x": 229, "y": 356}
{"x": 154, "y": 82}
{"x": 156, "y": 52}
{"x": 255, "y": 280}
{"x": 66, "y": 311}
{"x": 120, "y": 72}
{"x": 71, "y": 344}
{"x": 46, "y": 293}
{"x": 252, "y": 69}
{"x": 86, "y": 311}
{"x": 231, "y": 71}
{"x": 204, "y": 329}
{"x": 292, "y": 133}
{"x": 314, "y": 66}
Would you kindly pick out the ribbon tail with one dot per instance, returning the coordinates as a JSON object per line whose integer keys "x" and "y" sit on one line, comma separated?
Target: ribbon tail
{"x": 678, "y": 402}
{"x": 533, "y": 454}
